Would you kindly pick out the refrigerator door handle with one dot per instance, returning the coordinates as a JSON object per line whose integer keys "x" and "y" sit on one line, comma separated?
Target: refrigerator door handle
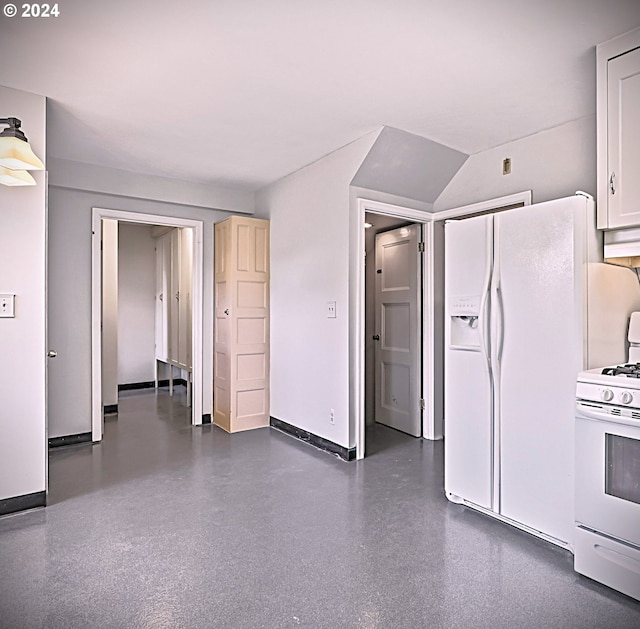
{"x": 500, "y": 324}
{"x": 485, "y": 322}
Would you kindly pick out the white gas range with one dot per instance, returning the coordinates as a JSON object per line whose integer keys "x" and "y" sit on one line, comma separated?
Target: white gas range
{"x": 607, "y": 507}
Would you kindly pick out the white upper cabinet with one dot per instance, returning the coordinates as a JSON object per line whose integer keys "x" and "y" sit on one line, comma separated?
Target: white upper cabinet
{"x": 618, "y": 113}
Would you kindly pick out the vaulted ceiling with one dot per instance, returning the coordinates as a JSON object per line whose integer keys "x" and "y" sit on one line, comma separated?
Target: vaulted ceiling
{"x": 243, "y": 92}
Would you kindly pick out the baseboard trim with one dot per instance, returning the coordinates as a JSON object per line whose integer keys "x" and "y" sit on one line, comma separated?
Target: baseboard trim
{"x": 150, "y": 384}
{"x": 22, "y": 503}
{"x": 346, "y": 454}
{"x": 110, "y": 409}
{"x": 131, "y": 386}
{"x": 69, "y": 440}
{"x": 206, "y": 418}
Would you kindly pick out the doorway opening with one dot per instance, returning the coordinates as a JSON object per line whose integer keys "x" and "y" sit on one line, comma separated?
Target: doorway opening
{"x": 103, "y": 221}
{"x": 393, "y": 328}
{"x": 421, "y": 403}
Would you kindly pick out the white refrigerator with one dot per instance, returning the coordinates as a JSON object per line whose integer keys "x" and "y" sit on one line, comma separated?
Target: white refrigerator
{"x": 528, "y": 305}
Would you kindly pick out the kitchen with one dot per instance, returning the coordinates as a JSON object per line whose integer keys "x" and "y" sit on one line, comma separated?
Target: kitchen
{"x": 62, "y": 197}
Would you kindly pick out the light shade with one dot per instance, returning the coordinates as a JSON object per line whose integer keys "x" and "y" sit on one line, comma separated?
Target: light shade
{"x": 9, "y": 177}
{"x": 15, "y": 152}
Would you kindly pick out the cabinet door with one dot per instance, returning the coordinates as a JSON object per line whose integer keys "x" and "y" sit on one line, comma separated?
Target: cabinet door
{"x": 623, "y": 138}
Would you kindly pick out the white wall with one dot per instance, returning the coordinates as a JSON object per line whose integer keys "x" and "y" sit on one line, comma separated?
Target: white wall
{"x": 22, "y": 339}
{"x": 79, "y": 176}
{"x": 309, "y": 212}
{"x": 70, "y": 297}
{"x": 553, "y": 164}
{"x": 136, "y": 303}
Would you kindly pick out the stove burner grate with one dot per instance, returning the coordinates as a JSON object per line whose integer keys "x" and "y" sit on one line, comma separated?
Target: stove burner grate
{"x": 631, "y": 370}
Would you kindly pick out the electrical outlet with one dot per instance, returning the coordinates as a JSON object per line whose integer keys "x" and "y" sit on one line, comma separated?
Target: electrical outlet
{"x": 332, "y": 416}
{"x": 506, "y": 166}
{"x": 331, "y": 309}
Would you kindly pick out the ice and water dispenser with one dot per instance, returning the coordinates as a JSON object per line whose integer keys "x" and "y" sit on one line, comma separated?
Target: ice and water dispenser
{"x": 464, "y": 331}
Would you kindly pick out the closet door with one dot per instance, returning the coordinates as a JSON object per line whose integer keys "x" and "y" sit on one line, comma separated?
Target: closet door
{"x": 222, "y": 330}
{"x": 241, "y": 377}
{"x": 174, "y": 302}
{"x": 163, "y": 253}
{"x": 184, "y": 298}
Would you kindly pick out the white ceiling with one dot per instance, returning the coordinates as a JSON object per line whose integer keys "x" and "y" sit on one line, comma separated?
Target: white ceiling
{"x": 243, "y": 92}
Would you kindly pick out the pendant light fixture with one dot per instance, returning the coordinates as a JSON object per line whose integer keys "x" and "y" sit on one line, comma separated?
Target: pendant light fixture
{"x": 16, "y": 155}
{"x": 9, "y": 177}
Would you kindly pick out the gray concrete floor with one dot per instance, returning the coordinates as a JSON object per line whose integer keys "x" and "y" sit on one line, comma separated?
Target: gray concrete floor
{"x": 165, "y": 525}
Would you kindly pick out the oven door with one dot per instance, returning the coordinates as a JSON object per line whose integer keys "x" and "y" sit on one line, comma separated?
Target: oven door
{"x": 608, "y": 472}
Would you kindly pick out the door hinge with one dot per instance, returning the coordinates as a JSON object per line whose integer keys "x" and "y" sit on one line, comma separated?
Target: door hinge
{"x": 421, "y": 247}
{"x": 422, "y": 404}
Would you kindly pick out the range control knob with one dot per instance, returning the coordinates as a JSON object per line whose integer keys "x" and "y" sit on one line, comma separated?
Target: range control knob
{"x": 626, "y": 397}
{"x": 607, "y": 395}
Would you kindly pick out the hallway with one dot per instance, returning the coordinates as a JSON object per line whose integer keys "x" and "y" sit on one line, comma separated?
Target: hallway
{"x": 166, "y": 525}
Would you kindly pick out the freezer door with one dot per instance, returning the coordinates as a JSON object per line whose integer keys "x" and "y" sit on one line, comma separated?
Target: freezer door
{"x": 468, "y": 386}
{"x": 539, "y": 339}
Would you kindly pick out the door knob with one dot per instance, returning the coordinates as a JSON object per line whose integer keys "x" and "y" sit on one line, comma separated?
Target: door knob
{"x": 376, "y": 337}
{"x": 51, "y": 354}
{"x": 226, "y": 312}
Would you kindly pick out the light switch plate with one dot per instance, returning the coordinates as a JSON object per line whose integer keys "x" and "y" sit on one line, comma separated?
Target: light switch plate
{"x": 7, "y": 305}
{"x": 331, "y": 309}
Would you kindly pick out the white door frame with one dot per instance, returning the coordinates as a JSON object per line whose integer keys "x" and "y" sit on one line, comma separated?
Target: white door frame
{"x": 416, "y": 216}
{"x": 96, "y": 311}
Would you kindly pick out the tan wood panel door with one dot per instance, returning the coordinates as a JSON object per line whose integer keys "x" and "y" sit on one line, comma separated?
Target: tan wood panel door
{"x": 398, "y": 335}
{"x": 241, "y": 361}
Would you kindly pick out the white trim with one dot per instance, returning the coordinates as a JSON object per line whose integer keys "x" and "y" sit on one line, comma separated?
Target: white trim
{"x": 96, "y": 292}
{"x": 492, "y": 204}
{"x": 430, "y": 430}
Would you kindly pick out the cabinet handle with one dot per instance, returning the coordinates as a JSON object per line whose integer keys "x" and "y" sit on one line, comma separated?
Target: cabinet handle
{"x": 612, "y": 183}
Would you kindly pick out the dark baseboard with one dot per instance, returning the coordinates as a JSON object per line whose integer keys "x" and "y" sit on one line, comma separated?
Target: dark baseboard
{"x": 206, "y": 419}
{"x": 131, "y": 386}
{"x": 347, "y": 454}
{"x": 22, "y": 503}
{"x": 69, "y": 440}
{"x": 150, "y": 384}
{"x": 110, "y": 409}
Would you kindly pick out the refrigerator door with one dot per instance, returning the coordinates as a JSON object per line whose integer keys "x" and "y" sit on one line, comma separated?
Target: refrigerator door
{"x": 468, "y": 382}
{"x": 539, "y": 278}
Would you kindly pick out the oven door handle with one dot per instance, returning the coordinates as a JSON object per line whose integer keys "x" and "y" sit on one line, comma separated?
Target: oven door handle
{"x": 589, "y": 411}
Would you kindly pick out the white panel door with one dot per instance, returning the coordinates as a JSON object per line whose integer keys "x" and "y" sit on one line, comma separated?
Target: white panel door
{"x": 163, "y": 251}
{"x": 174, "y": 296}
{"x": 623, "y": 138}
{"x": 539, "y": 294}
{"x": 397, "y": 355}
{"x": 184, "y": 297}
{"x": 468, "y": 406}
